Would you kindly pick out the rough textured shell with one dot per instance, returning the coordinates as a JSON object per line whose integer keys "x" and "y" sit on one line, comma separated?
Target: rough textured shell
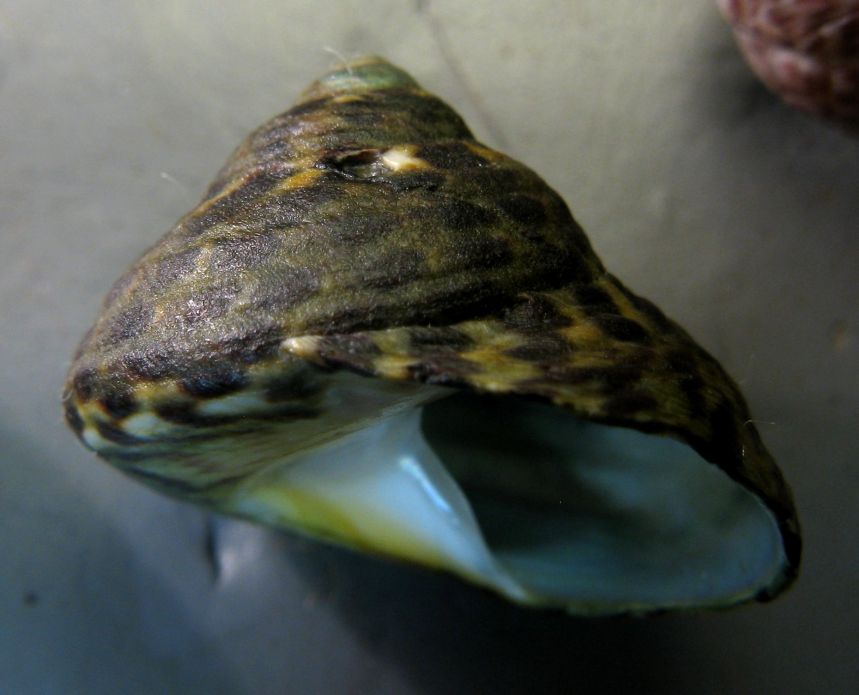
{"x": 366, "y": 230}
{"x": 806, "y": 51}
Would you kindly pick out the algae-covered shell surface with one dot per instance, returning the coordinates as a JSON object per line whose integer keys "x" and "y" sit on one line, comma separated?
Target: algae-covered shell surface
{"x": 379, "y": 332}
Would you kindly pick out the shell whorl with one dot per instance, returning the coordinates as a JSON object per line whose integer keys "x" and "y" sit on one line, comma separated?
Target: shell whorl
{"x": 358, "y": 208}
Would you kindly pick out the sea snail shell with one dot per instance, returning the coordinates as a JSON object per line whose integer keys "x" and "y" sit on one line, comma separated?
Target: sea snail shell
{"x": 806, "y": 51}
{"x": 377, "y": 331}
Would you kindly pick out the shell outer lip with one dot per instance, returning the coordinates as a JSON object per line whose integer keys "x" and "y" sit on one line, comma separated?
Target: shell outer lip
{"x": 733, "y": 444}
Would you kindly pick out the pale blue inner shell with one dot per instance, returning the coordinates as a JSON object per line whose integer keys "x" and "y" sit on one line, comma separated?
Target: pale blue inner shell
{"x": 518, "y": 496}
{"x": 602, "y": 517}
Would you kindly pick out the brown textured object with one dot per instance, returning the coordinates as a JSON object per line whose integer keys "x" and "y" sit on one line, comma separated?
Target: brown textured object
{"x": 806, "y": 51}
{"x": 366, "y": 295}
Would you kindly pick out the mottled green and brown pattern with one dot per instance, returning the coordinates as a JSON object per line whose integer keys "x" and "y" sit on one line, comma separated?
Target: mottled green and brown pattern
{"x": 366, "y": 230}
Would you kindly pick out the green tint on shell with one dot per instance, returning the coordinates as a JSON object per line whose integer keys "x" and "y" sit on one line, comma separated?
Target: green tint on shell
{"x": 366, "y": 302}
{"x": 358, "y": 76}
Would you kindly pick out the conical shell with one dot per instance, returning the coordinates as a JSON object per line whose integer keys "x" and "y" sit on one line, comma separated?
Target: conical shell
{"x": 366, "y": 230}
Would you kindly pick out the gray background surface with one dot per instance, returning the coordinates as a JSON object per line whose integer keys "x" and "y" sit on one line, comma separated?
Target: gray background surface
{"x": 736, "y": 215}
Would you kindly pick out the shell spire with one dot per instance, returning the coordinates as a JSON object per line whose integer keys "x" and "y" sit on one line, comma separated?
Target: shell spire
{"x": 363, "y": 74}
{"x": 361, "y": 257}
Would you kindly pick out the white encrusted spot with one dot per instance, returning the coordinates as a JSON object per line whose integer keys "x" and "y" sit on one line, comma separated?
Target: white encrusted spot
{"x": 94, "y": 440}
{"x": 402, "y": 159}
{"x": 235, "y": 404}
{"x": 147, "y": 425}
{"x": 302, "y": 346}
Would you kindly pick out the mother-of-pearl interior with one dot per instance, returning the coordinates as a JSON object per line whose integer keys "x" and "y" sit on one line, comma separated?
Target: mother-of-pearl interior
{"x": 525, "y": 499}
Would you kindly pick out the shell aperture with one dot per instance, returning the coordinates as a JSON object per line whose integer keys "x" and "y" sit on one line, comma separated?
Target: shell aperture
{"x": 377, "y": 331}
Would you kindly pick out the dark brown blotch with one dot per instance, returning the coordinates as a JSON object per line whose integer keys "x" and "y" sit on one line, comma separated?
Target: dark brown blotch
{"x": 683, "y": 366}
{"x": 175, "y": 266}
{"x": 628, "y": 403}
{"x": 250, "y": 347}
{"x": 723, "y": 444}
{"x": 488, "y": 253}
{"x": 181, "y": 412}
{"x": 301, "y": 201}
{"x": 238, "y": 423}
{"x": 545, "y": 348}
{"x": 73, "y": 417}
{"x": 214, "y": 383}
{"x": 346, "y": 319}
{"x": 278, "y": 213}
{"x": 359, "y": 118}
{"x": 621, "y": 328}
{"x": 461, "y": 215}
{"x": 119, "y": 401}
{"x": 608, "y": 379}
{"x": 495, "y": 182}
{"x": 410, "y": 116}
{"x": 290, "y": 287}
{"x": 594, "y": 300}
{"x": 535, "y": 313}
{"x": 232, "y": 351}
{"x": 84, "y": 383}
{"x": 115, "y": 434}
{"x": 442, "y": 369}
{"x": 185, "y": 414}
{"x": 250, "y": 423}
{"x": 432, "y": 338}
{"x": 463, "y": 300}
{"x": 230, "y": 205}
{"x": 525, "y": 210}
{"x": 306, "y": 107}
{"x": 394, "y": 268}
{"x": 155, "y": 362}
{"x": 129, "y": 322}
{"x": 359, "y": 228}
{"x": 147, "y": 365}
{"x": 451, "y": 155}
